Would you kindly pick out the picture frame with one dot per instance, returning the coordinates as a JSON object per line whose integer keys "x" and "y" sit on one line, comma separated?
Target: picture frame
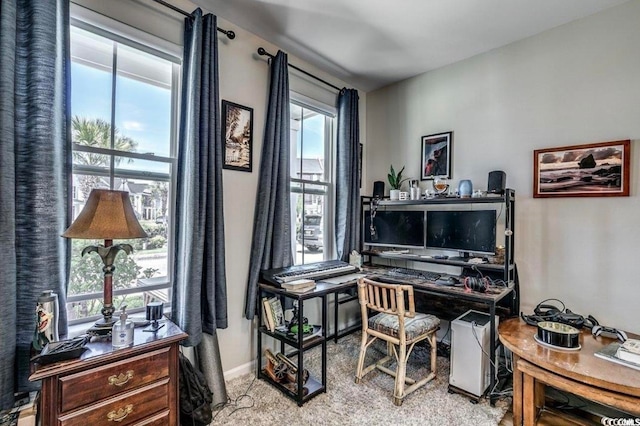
{"x": 435, "y": 160}
{"x": 590, "y": 170}
{"x": 237, "y": 136}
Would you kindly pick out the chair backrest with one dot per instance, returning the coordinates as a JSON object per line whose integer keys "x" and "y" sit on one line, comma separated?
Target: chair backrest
{"x": 385, "y": 298}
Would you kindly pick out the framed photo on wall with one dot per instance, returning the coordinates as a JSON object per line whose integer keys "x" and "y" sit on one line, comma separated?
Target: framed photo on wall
{"x": 237, "y": 136}
{"x": 436, "y": 156}
{"x": 590, "y": 170}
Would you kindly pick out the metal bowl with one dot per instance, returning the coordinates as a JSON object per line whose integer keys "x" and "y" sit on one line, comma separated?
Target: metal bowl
{"x": 558, "y": 334}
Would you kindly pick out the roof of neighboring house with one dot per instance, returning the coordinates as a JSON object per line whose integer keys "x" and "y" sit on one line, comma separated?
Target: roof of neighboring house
{"x": 310, "y": 166}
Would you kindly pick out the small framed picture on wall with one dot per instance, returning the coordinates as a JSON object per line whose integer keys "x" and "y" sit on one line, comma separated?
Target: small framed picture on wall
{"x": 436, "y": 156}
{"x": 237, "y": 136}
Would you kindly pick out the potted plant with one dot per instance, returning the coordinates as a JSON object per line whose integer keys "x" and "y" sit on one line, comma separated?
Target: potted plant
{"x": 395, "y": 182}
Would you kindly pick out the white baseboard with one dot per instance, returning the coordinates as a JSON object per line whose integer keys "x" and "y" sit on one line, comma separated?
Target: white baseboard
{"x": 241, "y": 370}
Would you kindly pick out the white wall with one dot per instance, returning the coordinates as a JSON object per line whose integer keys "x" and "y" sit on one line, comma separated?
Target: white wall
{"x": 578, "y": 83}
{"x": 244, "y": 79}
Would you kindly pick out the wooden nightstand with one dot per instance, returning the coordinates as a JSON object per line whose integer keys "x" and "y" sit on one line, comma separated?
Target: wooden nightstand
{"x": 106, "y": 386}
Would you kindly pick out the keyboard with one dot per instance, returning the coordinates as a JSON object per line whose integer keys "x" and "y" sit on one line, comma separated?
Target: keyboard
{"x": 407, "y": 273}
{"x": 317, "y": 271}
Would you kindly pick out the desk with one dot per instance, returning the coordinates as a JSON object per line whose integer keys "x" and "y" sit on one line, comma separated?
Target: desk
{"x": 577, "y": 372}
{"x": 489, "y": 299}
{"x": 322, "y": 290}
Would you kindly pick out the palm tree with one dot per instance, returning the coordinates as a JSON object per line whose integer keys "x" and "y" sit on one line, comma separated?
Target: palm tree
{"x": 96, "y": 132}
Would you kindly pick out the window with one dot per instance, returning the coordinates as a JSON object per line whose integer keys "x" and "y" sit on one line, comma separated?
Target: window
{"x": 123, "y": 105}
{"x": 311, "y": 182}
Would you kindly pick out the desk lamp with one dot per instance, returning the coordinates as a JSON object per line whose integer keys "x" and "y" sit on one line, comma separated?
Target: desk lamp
{"x": 107, "y": 215}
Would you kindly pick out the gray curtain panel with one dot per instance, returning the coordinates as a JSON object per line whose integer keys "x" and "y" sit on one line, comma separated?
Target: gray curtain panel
{"x": 199, "y": 302}
{"x": 271, "y": 245}
{"x": 35, "y": 171}
{"x": 348, "y": 175}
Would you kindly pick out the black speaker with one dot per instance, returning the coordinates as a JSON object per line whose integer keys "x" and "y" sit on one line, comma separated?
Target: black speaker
{"x": 497, "y": 181}
{"x": 378, "y": 189}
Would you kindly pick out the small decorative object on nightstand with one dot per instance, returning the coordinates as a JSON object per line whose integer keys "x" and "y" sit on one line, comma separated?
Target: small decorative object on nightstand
{"x": 154, "y": 313}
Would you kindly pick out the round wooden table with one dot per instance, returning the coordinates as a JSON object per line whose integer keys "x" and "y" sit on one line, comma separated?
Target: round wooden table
{"x": 578, "y": 372}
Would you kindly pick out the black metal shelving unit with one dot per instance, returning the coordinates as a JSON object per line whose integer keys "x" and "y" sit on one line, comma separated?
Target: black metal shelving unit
{"x": 507, "y": 270}
{"x": 296, "y": 347}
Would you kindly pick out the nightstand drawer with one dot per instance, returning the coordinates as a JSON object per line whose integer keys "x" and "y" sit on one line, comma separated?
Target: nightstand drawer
{"x": 91, "y": 386}
{"x": 131, "y": 408}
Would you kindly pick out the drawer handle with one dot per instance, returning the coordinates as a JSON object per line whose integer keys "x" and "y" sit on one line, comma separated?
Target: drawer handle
{"x": 121, "y": 378}
{"x": 121, "y": 414}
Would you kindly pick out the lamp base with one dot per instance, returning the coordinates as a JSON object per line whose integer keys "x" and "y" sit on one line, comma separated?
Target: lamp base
{"x": 102, "y": 327}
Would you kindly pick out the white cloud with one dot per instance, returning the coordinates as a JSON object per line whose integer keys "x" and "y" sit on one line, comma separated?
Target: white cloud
{"x": 133, "y": 125}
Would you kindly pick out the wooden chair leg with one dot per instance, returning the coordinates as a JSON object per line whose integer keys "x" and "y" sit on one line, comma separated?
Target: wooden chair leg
{"x": 434, "y": 352}
{"x": 363, "y": 352}
{"x": 398, "y": 393}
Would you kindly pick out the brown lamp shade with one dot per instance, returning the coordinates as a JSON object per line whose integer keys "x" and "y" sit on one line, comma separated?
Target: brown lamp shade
{"x": 107, "y": 215}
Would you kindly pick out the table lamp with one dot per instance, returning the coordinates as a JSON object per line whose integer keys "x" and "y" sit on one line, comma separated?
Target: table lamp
{"x": 107, "y": 215}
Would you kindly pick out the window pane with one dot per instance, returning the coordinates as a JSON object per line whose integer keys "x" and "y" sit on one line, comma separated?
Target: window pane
{"x": 143, "y": 100}
{"x": 138, "y": 120}
{"x": 310, "y": 228}
{"x": 91, "y": 68}
{"x": 124, "y": 165}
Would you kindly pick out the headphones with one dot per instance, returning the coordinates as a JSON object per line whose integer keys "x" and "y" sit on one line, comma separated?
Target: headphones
{"x": 476, "y": 284}
{"x": 545, "y": 311}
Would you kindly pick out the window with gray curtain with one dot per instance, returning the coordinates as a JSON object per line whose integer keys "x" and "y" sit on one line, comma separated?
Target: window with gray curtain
{"x": 123, "y": 133}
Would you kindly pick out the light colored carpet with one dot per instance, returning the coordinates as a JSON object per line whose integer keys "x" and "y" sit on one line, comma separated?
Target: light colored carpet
{"x": 347, "y": 403}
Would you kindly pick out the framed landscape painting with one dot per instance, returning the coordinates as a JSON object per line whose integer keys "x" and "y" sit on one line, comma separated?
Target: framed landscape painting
{"x": 436, "y": 156}
{"x": 590, "y": 170}
{"x": 237, "y": 136}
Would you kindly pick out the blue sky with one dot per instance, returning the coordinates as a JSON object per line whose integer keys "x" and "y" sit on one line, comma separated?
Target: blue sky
{"x": 143, "y": 111}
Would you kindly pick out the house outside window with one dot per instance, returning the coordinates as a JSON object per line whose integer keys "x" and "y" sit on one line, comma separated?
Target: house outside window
{"x": 312, "y": 135}
{"x": 124, "y": 113}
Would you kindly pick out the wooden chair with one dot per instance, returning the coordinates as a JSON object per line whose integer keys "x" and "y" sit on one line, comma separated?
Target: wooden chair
{"x": 400, "y": 327}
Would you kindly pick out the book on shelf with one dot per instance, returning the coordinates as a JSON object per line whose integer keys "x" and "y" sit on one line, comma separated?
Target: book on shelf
{"x": 611, "y": 353}
{"x": 277, "y": 313}
{"x": 268, "y": 315}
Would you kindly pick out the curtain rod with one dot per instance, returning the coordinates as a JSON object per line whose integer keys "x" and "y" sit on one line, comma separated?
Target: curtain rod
{"x": 230, "y": 34}
{"x": 263, "y": 52}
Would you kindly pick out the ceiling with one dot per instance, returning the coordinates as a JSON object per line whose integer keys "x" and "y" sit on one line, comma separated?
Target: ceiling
{"x": 373, "y": 43}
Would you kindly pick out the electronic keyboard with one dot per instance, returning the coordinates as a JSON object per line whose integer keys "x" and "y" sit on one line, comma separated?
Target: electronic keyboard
{"x": 316, "y": 271}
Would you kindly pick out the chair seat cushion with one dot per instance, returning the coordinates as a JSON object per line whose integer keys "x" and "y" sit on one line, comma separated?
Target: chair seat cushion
{"x": 414, "y": 327}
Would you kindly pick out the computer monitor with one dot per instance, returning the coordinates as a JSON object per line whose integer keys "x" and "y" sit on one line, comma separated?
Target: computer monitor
{"x": 395, "y": 228}
{"x": 467, "y": 231}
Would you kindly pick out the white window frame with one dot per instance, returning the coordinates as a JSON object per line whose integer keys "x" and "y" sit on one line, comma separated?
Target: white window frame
{"x": 123, "y": 34}
{"x": 329, "y": 171}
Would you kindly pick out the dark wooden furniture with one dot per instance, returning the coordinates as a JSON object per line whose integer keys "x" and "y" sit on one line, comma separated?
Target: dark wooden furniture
{"x": 577, "y": 372}
{"x": 136, "y": 385}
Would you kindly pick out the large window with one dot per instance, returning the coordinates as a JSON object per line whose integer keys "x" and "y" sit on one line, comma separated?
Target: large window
{"x": 311, "y": 188}
{"x": 123, "y": 129}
